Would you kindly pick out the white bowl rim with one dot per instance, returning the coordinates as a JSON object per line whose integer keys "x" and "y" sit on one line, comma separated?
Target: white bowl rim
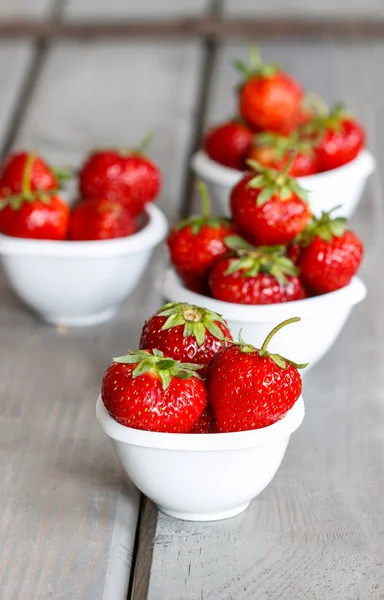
{"x": 201, "y": 442}
{"x": 206, "y": 168}
{"x": 170, "y": 286}
{"x": 149, "y": 236}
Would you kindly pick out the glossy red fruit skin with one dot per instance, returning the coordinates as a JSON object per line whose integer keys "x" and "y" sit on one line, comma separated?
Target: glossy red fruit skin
{"x": 11, "y": 176}
{"x": 275, "y": 222}
{"x": 261, "y": 289}
{"x": 329, "y": 266}
{"x": 100, "y": 219}
{"x": 142, "y": 403}
{"x": 302, "y": 165}
{"x": 228, "y": 144}
{"x": 206, "y": 423}
{"x": 247, "y": 391}
{"x": 186, "y": 349}
{"x": 293, "y": 252}
{"x": 338, "y": 147}
{"x": 37, "y": 220}
{"x": 194, "y": 254}
{"x": 133, "y": 180}
{"x": 270, "y": 103}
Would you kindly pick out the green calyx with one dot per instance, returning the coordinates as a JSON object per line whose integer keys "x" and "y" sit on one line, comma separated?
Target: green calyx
{"x": 255, "y": 66}
{"x": 325, "y": 121}
{"x": 275, "y": 183}
{"x": 314, "y": 104}
{"x": 282, "y": 145}
{"x": 280, "y": 361}
{"x": 63, "y": 172}
{"x": 196, "y": 320}
{"x": 156, "y": 363}
{"x": 325, "y": 227}
{"x": 263, "y": 259}
{"x": 197, "y": 222}
{"x": 15, "y": 201}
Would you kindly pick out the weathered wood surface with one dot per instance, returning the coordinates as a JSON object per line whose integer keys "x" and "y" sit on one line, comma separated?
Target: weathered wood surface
{"x": 32, "y": 9}
{"x": 67, "y": 520}
{"x": 303, "y": 8}
{"x": 317, "y": 531}
{"x": 99, "y": 9}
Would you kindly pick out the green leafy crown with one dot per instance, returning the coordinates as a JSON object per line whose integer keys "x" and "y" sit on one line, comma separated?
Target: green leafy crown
{"x": 282, "y": 145}
{"x": 196, "y": 320}
{"x": 255, "y": 66}
{"x": 275, "y": 183}
{"x": 324, "y": 227}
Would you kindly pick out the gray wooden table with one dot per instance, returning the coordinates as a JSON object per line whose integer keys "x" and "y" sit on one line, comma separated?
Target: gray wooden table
{"x": 69, "y": 527}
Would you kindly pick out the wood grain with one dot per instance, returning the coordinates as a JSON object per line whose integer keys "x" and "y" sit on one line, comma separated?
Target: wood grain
{"x": 317, "y": 531}
{"x": 67, "y": 519}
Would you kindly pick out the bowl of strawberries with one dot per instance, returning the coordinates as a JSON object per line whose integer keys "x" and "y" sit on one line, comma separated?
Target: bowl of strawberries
{"x": 200, "y": 422}
{"x": 276, "y": 118}
{"x": 273, "y": 258}
{"x": 73, "y": 265}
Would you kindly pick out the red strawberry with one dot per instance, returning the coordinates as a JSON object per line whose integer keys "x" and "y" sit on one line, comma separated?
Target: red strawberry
{"x": 331, "y": 254}
{"x": 269, "y": 99}
{"x": 196, "y": 243}
{"x": 250, "y": 388}
{"x": 255, "y": 276}
{"x": 339, "y": 138}
{"x": 269, "y": 207}
{"x": 146, "y": 390}
{"x": 125, "y": 176}
{"x": 206, "y": 423}
{"x": 100, "y": 219}
{"x": 274, "y": 151}
{"x": 228, "y": 144}
{"x": 187, "y": 333}
{"x": 13, "y": 170}
{"x": 37, "y": 215}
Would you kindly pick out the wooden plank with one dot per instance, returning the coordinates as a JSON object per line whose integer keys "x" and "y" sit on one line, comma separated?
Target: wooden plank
{"x": 89, "y": 9}
{"x": 317, "y": 530}
{"x": 19, "y": 9}
{"x": 67, "y": 518}
{"x": 302, "y": 8}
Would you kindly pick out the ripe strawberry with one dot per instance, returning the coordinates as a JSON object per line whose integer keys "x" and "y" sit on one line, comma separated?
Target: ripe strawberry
{"x": 250, "y": 388}
{"x": 330, "y": 256}
{"x": 196, "y": 243}
{"x": 100, "y": 219}
{"x": 187, "y": 333}
{"x": 339, "y": 138}
{"x": 269, "y": 99}
{"x": 228, "y": 144}
{"x": 146, "y": 390}
{"x": 274, "y": 151}
{"x": 269, "y": 207}
{"x": 34, "y": 214}
{"x": 42, "y": 176}
{"x": 122, "y": 175}
{"x": 255, "y": 276}
{"x": 206, "y": 423}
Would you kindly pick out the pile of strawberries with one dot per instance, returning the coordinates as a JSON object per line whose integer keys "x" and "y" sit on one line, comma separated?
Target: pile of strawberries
{"x": 275, "y": 116}
{"x": 189, "y": 376}
{"x": 272, "y": 249}
{"x": 114, "y": 187}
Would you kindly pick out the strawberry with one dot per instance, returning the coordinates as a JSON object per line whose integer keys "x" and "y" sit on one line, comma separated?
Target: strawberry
{"x": 269, "y": 207}
{"x": 330, "y": 254}
{"x": 269, "y": 99}
{"x": 250, "y": 388}
{"x": 206, "y": 423}
{"x": 187, "y": 333}
{"x": 122, "y": 175}
{"x": 339, "y": 138}
{"x": 146, "y": 390}
{"x": 274, "y": 151}
{"x": 42, "y": 176}
{"x": 195, "y": 243}
{"x": 34, "y": 214}
{"x": 255, "y": 275}
{"x": 100, "y": 219}
{"x": 228, "y": 144}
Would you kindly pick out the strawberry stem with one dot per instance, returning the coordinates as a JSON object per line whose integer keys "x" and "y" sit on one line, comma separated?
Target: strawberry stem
{"x": 204, "y": 199}
{"x": 292, "y": 156}
{"x": 27, "y": 175}
{"x": 263, "y": 349}
{"x": 142, "y": 147}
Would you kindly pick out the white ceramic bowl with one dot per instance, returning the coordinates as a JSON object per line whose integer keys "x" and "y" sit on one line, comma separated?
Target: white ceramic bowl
{"x": 322, "y": 318}
{"x": 79, "y": 283}
{"x": 343, "y": 186}
{"x": 201, "y": 477}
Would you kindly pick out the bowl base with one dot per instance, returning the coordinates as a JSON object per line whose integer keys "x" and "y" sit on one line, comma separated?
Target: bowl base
{"x": 187, "y": 516}
{"x": 82, "y": 321}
